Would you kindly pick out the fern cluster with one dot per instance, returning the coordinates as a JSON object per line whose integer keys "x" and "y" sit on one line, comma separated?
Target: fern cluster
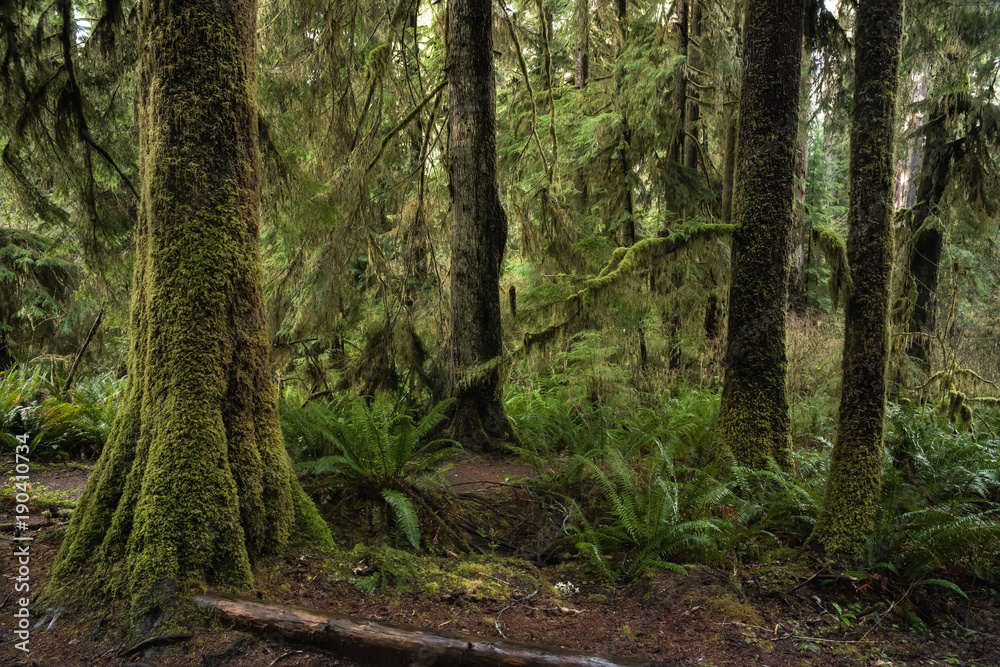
{"x": 379, "y": 452}
{"x": 58, "y": 423}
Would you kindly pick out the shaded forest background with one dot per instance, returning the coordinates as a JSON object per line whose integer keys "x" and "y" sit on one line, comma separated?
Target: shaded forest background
{"x": 614, "y": 125}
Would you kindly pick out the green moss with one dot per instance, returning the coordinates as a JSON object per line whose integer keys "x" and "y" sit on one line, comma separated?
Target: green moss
{"x": 194, "y": 484}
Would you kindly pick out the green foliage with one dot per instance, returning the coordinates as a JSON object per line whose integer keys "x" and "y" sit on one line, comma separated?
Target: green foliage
{"x": 380, "y": 452}
{"x": 74, "y": 423}
{"x": 940, "y": 506}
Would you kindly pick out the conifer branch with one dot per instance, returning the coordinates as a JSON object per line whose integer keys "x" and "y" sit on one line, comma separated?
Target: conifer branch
{"x": 403, "y": 123}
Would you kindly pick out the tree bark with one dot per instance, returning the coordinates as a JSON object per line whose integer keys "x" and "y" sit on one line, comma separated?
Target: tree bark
{"x": 753, "y": 417}
{"x": 797, "y": 296}
{"x": 478, "y": 228}
{"x": 194, "y": 483}
{"x": 935, "y": 173}
{"x": 729, "y": 169}
{"x": 582, "y": 73}
{"x": 855, "y": 480}
{"x": 387, "y": 644}
{"x": 626, "y": 235}
{"x": 692, "y": 109}
{"x": 680, "y": 91}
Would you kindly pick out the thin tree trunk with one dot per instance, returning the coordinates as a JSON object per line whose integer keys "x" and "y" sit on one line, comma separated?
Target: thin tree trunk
{"x": 797, "y": 288}
{"x": 680, "y": 91}
{"x": 582, "y": 73}
{"x": 692, "y": 108}
{"x": 478, "y": 228}
{"x": 855, "y": 480}
{"x": 83, "y": 349}
{"x": 626, "y": 236}
{"x": 753, "y": 417}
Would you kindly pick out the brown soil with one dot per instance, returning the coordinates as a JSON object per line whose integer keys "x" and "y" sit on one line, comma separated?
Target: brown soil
{"x": 711, "y": 616}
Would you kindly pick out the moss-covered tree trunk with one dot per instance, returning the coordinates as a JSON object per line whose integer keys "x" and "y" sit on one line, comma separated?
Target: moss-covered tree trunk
{"x": 692, "y": 105}
{"x": 797, "y": 280}
{"x": 626, "y": 232}
{"x": 855, "y": 479}
{"x": 935, "y": 173}
{"x": 478, "y": 227}
{"x": 753, "y": 418}
{"x": 194, "y": 483}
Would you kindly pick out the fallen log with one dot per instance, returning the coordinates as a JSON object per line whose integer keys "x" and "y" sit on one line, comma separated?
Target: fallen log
{"x": 387, "y": 644}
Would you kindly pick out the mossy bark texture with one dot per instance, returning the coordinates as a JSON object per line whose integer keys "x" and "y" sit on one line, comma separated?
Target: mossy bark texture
{"x": 478, "y": 227}
{"x": 935, "y": 173}
{"x": 753, "y": 418}
{"x": 853, "y": 487}
{"x": 194, "y": 483}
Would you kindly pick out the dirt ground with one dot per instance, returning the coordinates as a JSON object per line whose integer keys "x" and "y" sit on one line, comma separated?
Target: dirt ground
{"x": 710, "y": 616}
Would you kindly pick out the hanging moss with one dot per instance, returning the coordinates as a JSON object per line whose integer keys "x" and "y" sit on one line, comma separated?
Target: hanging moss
{"x": 835, "y": 249}
{"x": 624, "y": 261}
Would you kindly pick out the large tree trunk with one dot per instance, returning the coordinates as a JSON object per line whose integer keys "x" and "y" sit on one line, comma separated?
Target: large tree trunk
{"x": 194, "y": 483}
{"x": 855, "y": 479}
{"x": 478, "y": 228}
{"x": 729, "y": 169}
{"x": 753, "y": 418}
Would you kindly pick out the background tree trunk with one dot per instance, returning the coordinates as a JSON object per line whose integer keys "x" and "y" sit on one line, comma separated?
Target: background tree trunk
{"x": 852, "y": 491}
{"x": 194, "y": 483}
{"x": 935, "y": 173}
{"x": 753, "y": 418}
{"x": 478, "y": 227}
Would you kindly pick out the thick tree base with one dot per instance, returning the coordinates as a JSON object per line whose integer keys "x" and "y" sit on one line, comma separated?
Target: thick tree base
{"x": 385, "y": 644}
{"x": 480, "y": 423}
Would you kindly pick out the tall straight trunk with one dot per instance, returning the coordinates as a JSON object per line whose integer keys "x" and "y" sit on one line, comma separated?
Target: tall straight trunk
{"x": 753, "y": 417}
{"x": 680, "y": 89}
{"x": 478, "y": 227}
{"x": 935, "y": 173}
{"x": 194, "y": 483}
{"x": 691, "y": 104}
{"x": 797, "y": 287}
{"x": 582, "y": 73}
{"x": 855, "y": 480}
{"x": 626, "y": 234}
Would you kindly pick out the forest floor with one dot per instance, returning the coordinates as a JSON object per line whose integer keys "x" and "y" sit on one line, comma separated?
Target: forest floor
{"x": 756, "y": 615}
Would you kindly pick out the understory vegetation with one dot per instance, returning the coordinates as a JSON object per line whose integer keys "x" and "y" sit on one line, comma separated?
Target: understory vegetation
{"x": 615, "y": 487}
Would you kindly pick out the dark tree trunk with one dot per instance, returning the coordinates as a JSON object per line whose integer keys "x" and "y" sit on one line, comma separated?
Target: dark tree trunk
{"x": 626, "y": 235}
{"x": 582, "y": 73}
{"x": 797, "y": 294}
{"x": 680, "y": 91}
{"x": 194, "y": 483}
{"x": 935, "y": 172}
{"x": 855, "y": 480}
{"x": 729, "y": 169}
{"x": 753, "y": 418}
{"x": 691, "y": 106}
{"x": 478, "y": 228}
